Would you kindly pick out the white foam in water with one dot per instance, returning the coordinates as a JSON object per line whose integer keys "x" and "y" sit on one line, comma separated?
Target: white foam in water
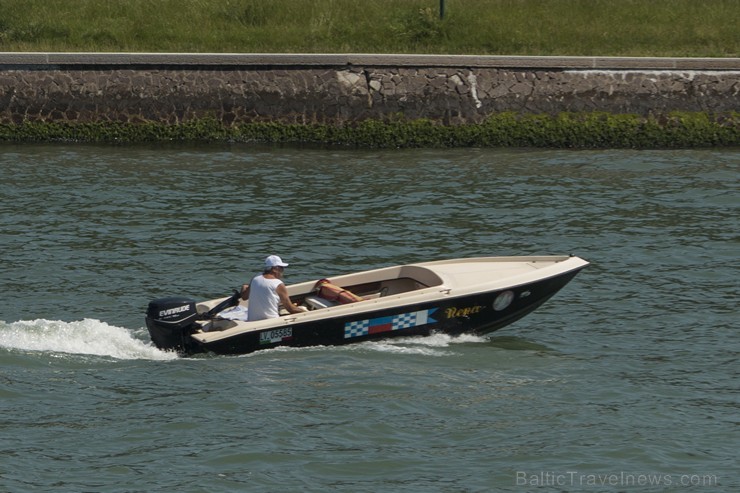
{"x": 88, "y": 336}
{"x": 421, "y": 345}
{"x": 93, "y": 337}
{"x": 428, "y": 345}
{"x": 439, "y": 340}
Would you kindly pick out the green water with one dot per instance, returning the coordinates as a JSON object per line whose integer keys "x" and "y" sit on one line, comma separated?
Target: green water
{"x": 627, "y": 380}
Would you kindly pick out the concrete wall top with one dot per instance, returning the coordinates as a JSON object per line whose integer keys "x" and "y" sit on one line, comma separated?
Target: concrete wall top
{"x": 50, "y": 60}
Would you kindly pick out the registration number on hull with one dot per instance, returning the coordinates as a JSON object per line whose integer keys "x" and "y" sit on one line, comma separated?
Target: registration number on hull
{"x": 276, "y": 335}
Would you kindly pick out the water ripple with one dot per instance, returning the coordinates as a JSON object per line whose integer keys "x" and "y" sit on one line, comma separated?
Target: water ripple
{"x": 630, "y": 369}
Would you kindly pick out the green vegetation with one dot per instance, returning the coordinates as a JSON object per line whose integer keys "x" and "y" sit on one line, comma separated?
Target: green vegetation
{"x": 567, "y": 130}
{"x": 493, "y": 27}
{"x": 483, "y": 27}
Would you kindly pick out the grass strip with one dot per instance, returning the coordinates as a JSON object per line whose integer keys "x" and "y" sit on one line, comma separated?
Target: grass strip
{"x": 675, "y": 28}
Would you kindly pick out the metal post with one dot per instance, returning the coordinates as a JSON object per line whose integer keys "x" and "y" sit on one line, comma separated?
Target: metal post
{"x": 441, "y": 9}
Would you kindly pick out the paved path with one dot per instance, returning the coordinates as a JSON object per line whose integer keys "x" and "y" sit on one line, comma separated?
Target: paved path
{"x": 366, "y": 60}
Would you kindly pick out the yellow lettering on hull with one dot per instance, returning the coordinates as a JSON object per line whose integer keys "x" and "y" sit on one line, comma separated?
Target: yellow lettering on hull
{"x": 454, "y": 312}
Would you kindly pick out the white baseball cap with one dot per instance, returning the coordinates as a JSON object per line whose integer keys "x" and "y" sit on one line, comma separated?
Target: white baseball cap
{"x": 274, "y": 261}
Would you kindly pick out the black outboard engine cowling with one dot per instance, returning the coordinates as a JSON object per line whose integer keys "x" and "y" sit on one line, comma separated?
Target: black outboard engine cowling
{"x": 170, "y": 322}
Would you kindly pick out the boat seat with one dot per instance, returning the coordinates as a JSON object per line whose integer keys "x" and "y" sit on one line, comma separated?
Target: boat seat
{"x": 372, "y": 296}
{"x": 316, "y": 302}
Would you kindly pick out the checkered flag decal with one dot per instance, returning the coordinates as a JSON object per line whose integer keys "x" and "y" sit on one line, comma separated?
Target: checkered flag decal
{"x": 386, "y": 324}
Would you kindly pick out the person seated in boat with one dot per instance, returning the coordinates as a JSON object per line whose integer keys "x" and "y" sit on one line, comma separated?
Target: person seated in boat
{"x": 266, "y": 292}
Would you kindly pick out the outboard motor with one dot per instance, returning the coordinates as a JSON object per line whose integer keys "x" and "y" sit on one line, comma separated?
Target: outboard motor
{"x": 170, "y": 321}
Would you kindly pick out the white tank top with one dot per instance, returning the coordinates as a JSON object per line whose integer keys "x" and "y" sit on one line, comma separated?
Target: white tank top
{"x": 263, "y": 298}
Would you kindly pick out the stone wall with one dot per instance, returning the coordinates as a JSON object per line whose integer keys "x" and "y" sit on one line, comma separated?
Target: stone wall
{"x": 339, "y": 89}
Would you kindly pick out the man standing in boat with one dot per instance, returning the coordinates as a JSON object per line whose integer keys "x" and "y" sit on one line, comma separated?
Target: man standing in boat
{"x": 267, "y": 291}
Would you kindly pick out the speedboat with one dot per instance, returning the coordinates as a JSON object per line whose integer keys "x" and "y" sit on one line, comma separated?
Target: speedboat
{"x": 470, "y": 295}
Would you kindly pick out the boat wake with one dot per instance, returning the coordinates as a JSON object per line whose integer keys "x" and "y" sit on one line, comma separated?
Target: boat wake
{"x": 431, "y": 345}
{"x": 84, "y": 337}
{"x": 95, "y": 338}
